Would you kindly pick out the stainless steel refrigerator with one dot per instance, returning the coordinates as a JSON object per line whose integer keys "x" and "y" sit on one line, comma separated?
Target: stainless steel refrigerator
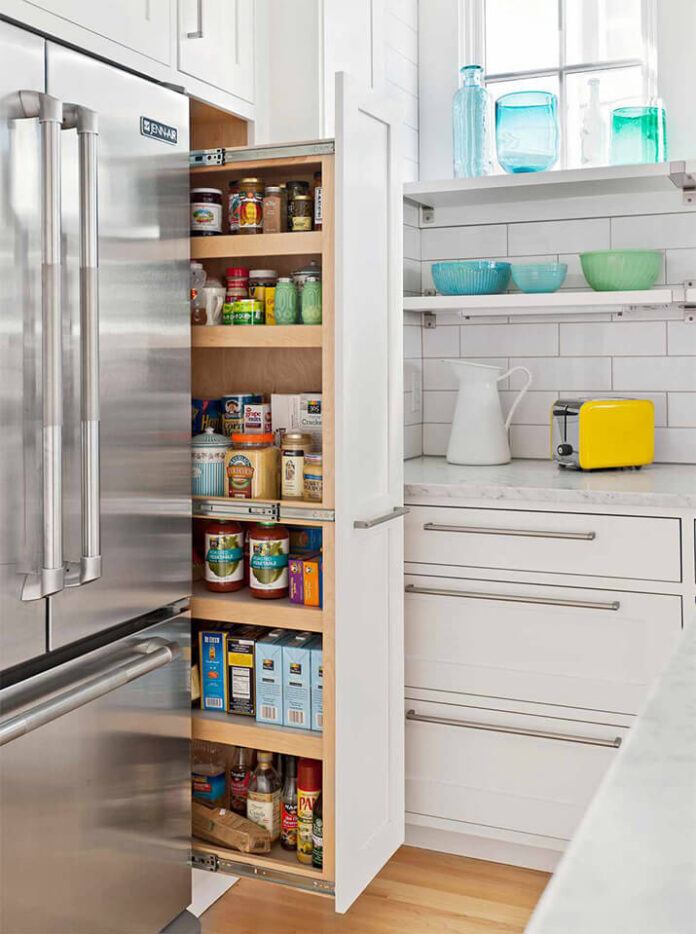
{"x": 95, "y": 492}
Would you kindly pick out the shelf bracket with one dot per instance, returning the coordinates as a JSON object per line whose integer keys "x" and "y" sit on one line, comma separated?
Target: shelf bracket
{"x": 689, "y": 303}
{"x": 427, "y": 215}
{"x": 680, "y": 178}
{"x": 429, "y": 320}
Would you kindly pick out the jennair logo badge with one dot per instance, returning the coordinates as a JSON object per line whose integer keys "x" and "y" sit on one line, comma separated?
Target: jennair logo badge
{"x": 156, "y": 130}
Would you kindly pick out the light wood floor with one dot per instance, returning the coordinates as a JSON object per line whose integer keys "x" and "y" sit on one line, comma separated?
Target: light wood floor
{"x": 417, "y": 892}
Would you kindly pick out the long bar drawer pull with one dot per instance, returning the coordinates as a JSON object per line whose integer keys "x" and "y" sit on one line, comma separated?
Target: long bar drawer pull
{"x": 515, "y": 598}
{"x": 396, "y": 513}
{"x": 523, "y": 533}
{"x": 517, "y": 731}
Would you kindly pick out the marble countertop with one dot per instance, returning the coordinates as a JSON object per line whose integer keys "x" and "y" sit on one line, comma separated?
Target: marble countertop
{"x": 631, "y": 867}
{"x": 662, "y": 485}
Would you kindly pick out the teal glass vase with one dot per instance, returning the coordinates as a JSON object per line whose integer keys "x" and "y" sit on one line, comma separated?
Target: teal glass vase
{"x": 471, "y": 125}
{"x": 638, "y": 135}
{"x": 526, "y": 131}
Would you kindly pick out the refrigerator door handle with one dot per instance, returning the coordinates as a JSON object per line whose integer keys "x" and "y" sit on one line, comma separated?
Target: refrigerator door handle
{"x": 50, "y": 578}
{"x": 147, "y": 656}
{"x": 84, "y": 121}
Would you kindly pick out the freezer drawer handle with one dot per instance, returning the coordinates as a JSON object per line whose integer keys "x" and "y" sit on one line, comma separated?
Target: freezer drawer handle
{"x": 50, "y": 578}
{"x": 147, "y": 657}
{"x": 84, "y": 121}
{"x": 537, "y": 734}
{"x": 516, "y": 598}
{"x": 526, "y": 533}
{"x": 396, "y": 513}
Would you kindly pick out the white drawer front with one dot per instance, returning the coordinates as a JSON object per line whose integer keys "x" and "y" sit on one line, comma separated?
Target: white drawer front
{"x": 596, "y": 649}
{"x": 549, "y": 542}
{"x": 518, "y": 782}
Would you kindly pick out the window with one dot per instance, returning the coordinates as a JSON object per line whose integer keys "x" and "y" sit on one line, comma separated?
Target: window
{"x": 561, "y": 46}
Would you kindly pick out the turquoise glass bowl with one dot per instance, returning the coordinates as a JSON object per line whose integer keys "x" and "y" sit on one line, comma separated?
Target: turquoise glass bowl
{"x": 478, "y": 277}
{"x": 621, "y": 270}
{"x": 539, "y": 277}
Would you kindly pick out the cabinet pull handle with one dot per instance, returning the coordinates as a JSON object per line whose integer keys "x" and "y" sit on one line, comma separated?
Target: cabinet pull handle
{"x": 516, "y": 731}
{"x": 198, "y": 32}
{"x": 525, "y": 533}
{"x": 515, "y": 598}
{"x": 387, "y": 517}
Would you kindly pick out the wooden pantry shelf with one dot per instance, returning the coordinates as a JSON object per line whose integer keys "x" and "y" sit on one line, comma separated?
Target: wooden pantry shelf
{"x": 237, "y": 730}
{"x": 241, "y": 607}
{"x": 277, "y": 861}
{"x": 238, "y": 246}
{"x": 283, "y": 336}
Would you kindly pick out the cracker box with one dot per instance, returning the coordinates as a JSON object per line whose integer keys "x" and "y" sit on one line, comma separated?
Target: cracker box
{"x": 316, "y": 680}
{"x": 240, "y": 669}
{"x": 213, "y": 687}
{"x": 312, "y": 592}
{"x": 310, "y": 417}
{"x": 285, "y": 413}
{"x": 296, "y": 578}
{"x": 296, "y": 684}
{"x": 269, "y": 676}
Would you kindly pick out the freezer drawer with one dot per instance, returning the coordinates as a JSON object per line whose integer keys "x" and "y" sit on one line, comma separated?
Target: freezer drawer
{"x": 95, "y": 804}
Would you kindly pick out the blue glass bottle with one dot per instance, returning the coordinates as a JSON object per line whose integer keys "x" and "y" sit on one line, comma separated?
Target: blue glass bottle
{"x": 470, "y": 125}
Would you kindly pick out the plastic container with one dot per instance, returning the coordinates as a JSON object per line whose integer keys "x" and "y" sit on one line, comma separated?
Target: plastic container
{"x": 470, "y": 125}
{"x": 269, "y": 548}
{"x": 526, "y": 131}
{"x": 224, "y": 556}
{"x": 252, "y": 467}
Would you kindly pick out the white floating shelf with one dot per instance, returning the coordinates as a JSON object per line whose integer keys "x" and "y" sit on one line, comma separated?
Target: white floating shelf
{"x": 520, "y": 303}
{"x": 565, "y": 183}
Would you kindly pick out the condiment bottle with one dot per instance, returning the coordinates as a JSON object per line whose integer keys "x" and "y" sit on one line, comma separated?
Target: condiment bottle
{"x": 318, "y": 191}
{"x": 240, "y": 776}
{"x": 269, "y": 547}
{"x": 318, "y": 835}
{"x": 295, "y": 445}
{"x": 224, "y": 556}
{"x": 313, "y": 478}
{"x": 263, "y": 799}
{"x": 288, "y": 809}
{"x": 308, "y": 790}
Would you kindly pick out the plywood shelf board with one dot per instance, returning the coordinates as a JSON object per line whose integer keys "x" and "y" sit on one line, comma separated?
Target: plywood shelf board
{"x": 241, "y": 607}
{"x": 524, "y": 303}
{"x": 285, "y": 337}
{"x": 237, "y": 730}
{"x": 237, "y": 246}
{"x": 278, "y": 859}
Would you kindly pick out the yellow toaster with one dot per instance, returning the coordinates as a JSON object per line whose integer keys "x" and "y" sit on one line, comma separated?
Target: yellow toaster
{"x": 592, "y": 434}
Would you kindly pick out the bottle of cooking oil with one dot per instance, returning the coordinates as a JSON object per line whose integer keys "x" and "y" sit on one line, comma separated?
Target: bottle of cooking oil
{"x": 263, "y": 798}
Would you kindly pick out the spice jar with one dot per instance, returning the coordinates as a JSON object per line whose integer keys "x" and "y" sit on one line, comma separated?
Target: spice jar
{"x": 269, "y": 547}
{"x": 224, "y": 556}
{"x": 233, "y": 207}
{"x": 259, "y": 281}
{"x": 311, "y": 301}
{"x": 250, "y": 206}
{"x": 294, "y": 446}
{"x": 302, "y": 213}
{"x": 208, "y": 452}
{"x": 206, "y": 212}
{"x": 275, "y": 210}
{"x": 313, "y": 477}
{"x": 252, "y": 467}
{"x": 317, "y": 192}
{"x": 293, "y": 189}
{"x": 237, "y": 284}
{"x": 285, "y": 304}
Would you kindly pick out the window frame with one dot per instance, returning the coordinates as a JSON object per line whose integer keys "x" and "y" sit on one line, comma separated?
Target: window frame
{"x": 473, "y": 46}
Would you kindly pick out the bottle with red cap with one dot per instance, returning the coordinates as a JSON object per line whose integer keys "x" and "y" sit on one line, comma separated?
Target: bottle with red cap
{"x": 308, "y": 790}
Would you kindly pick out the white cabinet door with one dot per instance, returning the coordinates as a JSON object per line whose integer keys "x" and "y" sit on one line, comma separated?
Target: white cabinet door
{"x": 369, "y": 485}
{"x": 141, "y": 25}
{"x": 216, "y": 44}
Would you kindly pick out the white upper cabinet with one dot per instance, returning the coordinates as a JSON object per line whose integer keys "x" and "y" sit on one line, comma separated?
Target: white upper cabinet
{"x": 144, "y": 26}
{"x": 216, "y": 44}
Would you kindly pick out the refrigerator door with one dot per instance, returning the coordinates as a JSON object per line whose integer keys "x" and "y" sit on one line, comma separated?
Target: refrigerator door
{"x": 22, "y": 624}
{"x": 143, "y": 222}
{"x": 96, "y": 803}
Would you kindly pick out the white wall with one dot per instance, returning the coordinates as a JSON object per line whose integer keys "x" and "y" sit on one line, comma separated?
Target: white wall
{"x": 401, "y": 74}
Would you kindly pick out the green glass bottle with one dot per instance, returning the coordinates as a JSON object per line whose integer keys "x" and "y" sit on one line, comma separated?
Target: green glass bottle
{"x": 311, "y": 301}
{"x": 285, "y": 308}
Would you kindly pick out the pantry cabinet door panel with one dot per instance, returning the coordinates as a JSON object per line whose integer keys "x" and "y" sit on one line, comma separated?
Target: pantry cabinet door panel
{"x": 369, "y": 485}
{"x": 216, "y": 44}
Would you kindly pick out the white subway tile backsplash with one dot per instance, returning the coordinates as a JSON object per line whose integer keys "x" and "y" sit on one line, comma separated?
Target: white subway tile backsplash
{"x": 412, "y": 244}
{"x": 664, "y": 374}
{"x": 681, "y": 265}
{"x": 441, "y": 342}
{"x": 411, "y": 214}
{"x": 681, "y": 339}
{"x": 412, "y": 341}
{"x": 435, "y": 439}
{"x": 577, "y": 373}
{"x": 413, "y": 375}
{"x": 440, "y": 243}
{"x": 574, "y": 236}
{"x": 653, "y": 232}
{"x": 623, "y": 338}
{"x": 438, "y": 406}
{"x": 437, "y": 374}
{"x": 508, "y": 339}
{"x": 675, "y": 445}
{"x": 411, "y": 281}
{"x": 413, "y": 441}
{"x": 534, "y": 409}
{"x": 682, "y": 409}
{"x": 413, "y": 412}
{"x": 575, "y": 277}
{"x": 530, "y": 441}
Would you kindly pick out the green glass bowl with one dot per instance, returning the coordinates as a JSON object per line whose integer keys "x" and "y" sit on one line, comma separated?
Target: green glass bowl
{"x": 619, "y": 270}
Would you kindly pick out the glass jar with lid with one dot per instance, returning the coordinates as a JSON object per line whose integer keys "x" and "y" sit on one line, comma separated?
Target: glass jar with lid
{"x": 208, "y": 452}
{"x": 311, "y": 301}
{"x": 251, "y": 205}
{"x": 313, "y": 477}
{"x": 252, "y": 467}
{"x": 302, "y": 213}
{"x": 300, "y": 276}
{"x": 294, "y": 188}
{"x": 275, "y": 209}
{"x": 285, "y": 310}
{"x": 206, "y": 212}
{"x": 294, "y": 447}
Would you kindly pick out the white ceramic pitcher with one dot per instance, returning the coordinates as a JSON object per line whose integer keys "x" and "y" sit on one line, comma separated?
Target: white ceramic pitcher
{"x": 479, "y": 433}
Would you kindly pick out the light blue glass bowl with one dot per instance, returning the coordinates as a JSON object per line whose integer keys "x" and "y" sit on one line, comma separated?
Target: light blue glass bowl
{"x": 478, "y": 277}
{"x": 539, "y": 277}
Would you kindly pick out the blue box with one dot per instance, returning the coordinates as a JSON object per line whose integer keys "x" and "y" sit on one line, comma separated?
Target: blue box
{"x": 296, "y": 685}
{"x": 212, "y": 652}
{"x": 316, "y": 681}
{"x": 304, "y": 539}
{"x": 269, "y": 676}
